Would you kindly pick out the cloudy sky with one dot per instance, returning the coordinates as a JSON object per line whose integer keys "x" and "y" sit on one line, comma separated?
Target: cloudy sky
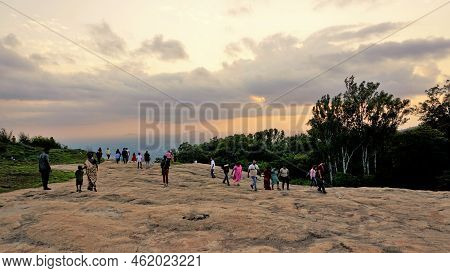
{"x": 203, "y": 51}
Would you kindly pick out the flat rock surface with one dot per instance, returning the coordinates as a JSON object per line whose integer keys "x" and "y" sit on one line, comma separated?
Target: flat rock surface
{"x": 132, "y": 212}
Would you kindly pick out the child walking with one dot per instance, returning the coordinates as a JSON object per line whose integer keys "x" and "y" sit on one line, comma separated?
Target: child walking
{"x": 79, "y": 178}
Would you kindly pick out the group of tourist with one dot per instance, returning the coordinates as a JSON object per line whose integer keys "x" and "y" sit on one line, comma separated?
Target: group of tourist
{"x": 272, "y": 176}
{"x": 125, "y": 156}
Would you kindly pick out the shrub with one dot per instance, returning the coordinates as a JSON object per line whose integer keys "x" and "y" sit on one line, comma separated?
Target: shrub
{"x": 44, "y": 142}
{"x": 345, "y": 180}
{"x": 24, "y": 139}
{"x": 5, "y": 136}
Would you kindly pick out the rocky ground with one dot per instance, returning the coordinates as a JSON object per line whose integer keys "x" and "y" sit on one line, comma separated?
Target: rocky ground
{"x": 132, "y": 212}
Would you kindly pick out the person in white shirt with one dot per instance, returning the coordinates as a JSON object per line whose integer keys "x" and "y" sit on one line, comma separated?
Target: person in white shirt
{"x": 253, "y": 174}
{"x": 213, "y": 165}
{"x": 139, "y": 160}
{"x": 284, "y": 177}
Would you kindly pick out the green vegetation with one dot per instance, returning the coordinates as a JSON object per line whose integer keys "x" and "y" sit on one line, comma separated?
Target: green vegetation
{"x": 19, "y": 163}
{"x": 355, "y": 133}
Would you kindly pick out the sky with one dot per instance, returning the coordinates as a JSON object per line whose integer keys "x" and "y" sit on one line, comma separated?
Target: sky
{"x": 204, "y": 52}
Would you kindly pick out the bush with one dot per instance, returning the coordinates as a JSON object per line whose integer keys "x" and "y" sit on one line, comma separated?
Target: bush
{"x": 24, "y": 139}
{"x": 44, "y": 142}
{"x": 346, "y": 180}
{"x": 2, "y": 148}
{"x": 419, "y": 155}
{"x": 443, "y": 181}
{"x": 5, "y": 136}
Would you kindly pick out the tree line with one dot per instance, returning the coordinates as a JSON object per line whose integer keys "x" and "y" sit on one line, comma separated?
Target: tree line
{"x": 356, "y": 133}
{"x": 34, "y": 141}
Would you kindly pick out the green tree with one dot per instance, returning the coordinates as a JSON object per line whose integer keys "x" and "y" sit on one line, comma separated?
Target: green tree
{"x": 435, "y": 111}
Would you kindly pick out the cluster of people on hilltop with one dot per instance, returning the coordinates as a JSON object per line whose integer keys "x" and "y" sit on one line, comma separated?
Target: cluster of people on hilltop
{"x": 137, "y": 158}
{"x": 272, "y": 176}
{"x": 90, "y": 167}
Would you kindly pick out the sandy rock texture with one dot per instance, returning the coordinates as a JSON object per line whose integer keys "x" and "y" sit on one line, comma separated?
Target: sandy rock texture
{"x": 132, "y": 212}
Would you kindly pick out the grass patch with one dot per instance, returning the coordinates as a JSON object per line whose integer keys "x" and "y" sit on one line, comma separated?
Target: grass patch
{"x": 23, "y": 172}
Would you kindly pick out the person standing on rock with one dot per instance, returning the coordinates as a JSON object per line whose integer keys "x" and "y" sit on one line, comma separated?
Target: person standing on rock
{"x": 226, "y": 171}
{"x": 165, "y": 166}
{"x": 108, "y": 153}
{"x": 44, "y": 168}
{"x": 147, "y": 159}
{"x": 124, "y": 156}
{"x": 253, "y": 174}
{"x": 312, "y": 176}
{"x": 117, "y": 156}
{"x": 321, "y": 181}
{"x": 139, "y": 161}
{"x": 91, "y": 171}
{"x": 212, "y": 167}
{"x": 99, "y": 155}
{"x": 284, "y": 177}
{"x": 267, "y": 176}
{"x": 274, "y": 178}
{"x": 237, "y": 173}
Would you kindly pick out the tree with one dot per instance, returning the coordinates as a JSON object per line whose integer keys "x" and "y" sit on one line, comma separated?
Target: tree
{"x": 326, "y": 127}
{"x": 372, "y": 116}
{"x": 418, "y": 155}
{"x": 435, "y": 111}
{"x": 361, "y": 118}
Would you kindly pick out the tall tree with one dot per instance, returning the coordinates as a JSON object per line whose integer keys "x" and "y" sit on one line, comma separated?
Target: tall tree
{"x": 435, "y": 111}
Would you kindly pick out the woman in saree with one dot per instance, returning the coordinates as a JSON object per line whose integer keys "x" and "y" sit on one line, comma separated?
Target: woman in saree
{"x": 237, "y": 173}
{"x": 91, "y": 171}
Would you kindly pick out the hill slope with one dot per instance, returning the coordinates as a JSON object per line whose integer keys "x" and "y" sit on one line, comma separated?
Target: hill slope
{"x": 132, "y": 212}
